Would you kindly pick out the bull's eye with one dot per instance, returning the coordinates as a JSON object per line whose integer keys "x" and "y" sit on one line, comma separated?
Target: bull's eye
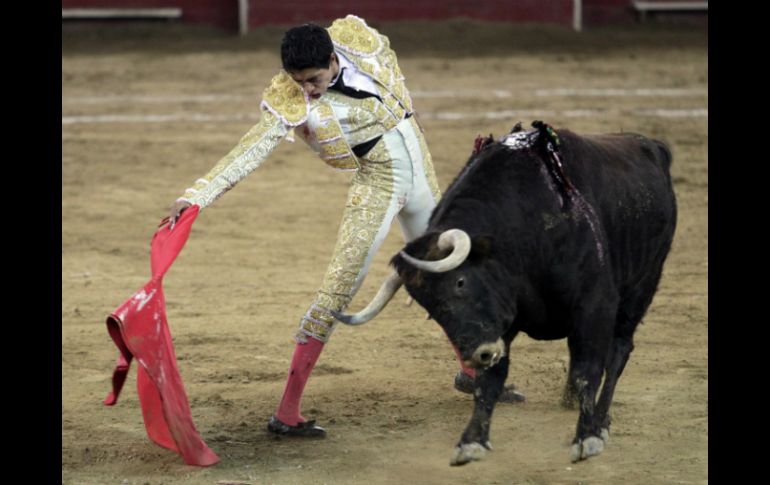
{"x": 460, "y": 282}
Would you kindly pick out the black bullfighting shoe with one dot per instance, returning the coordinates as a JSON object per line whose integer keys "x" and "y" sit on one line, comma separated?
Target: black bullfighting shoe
{"x": 464, "y": 383}
{"x": 307, "y": 429}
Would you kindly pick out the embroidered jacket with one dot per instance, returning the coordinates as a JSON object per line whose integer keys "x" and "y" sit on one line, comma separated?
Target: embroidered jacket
{"x": 331, "y": 125}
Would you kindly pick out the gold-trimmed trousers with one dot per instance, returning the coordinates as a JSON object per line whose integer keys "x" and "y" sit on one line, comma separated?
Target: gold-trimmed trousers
{"x": 395, "y": 180}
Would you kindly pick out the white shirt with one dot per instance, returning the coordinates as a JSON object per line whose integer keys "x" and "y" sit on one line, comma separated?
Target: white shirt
{"x": 353, "y": 77}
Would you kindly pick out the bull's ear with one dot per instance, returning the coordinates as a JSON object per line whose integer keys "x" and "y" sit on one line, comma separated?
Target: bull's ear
{"x": 481, "y": 247}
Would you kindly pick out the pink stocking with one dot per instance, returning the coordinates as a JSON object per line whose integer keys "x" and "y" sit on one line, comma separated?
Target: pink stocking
{"x": 302, "y": 363}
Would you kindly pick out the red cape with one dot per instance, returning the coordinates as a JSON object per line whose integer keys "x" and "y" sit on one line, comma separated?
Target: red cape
{"x": 139, "y": 329}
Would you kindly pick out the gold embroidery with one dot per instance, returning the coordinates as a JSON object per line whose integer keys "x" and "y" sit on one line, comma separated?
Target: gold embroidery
{"x": 397, "y": 71}
{"x": 367, "y": 68}
{"x": 330, "y": 140}
{"x": 378, "y": 154}
{"x": 285, "y": 99}
{"x": 334, "y": 149}
{"x": 322, "y": 315}
{"x": 389, "y": 60}
{"x": 351, "y": 34}
{"x": 386, "y": 77}
{"x": 325, "y": 111}
{"x": 368, "y": 200}
{"x": 385, "y": 71}
{"x": 243, "y": 159}
{"x": 328, "y": 132}
{"x": 286, "y": 106}
{"x": 367, "y": 126}
{"x": 394, "y": 107}
{"x": 373, "y": 105}
{"x": 315, "y": 324}
{"x": 347, "y": 162}
{"x": 370, "y": 104}
{"x": 361, "y": 119}
{"x": 402, "y": 94}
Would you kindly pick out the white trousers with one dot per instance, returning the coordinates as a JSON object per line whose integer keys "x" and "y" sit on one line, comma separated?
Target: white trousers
{"x": 395, "y": 180}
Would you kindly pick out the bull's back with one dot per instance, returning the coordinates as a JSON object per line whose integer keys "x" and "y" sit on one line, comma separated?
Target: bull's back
{"x": 626, "y": 178}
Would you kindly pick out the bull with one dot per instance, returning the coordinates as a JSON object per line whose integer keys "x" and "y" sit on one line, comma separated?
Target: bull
{"x": 549, "y": 233}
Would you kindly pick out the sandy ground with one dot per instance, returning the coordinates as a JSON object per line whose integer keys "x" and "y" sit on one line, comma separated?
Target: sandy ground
{"x": 149, "y": 109}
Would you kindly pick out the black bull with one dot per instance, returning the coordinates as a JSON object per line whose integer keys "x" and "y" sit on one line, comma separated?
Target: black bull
{"x": 565, "y": 243}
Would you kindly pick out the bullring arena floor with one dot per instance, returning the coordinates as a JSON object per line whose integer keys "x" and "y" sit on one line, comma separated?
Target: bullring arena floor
{"x": 148, "y": 109}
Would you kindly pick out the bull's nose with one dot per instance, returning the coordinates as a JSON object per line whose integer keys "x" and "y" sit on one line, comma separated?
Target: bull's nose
{"x": 488, "y": 354}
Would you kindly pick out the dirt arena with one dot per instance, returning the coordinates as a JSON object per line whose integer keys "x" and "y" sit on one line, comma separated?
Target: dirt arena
{"x": 148, "y": 109}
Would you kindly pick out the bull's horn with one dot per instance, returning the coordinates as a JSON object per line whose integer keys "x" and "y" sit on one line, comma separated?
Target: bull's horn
{"x": 383, "y": 296}
{"x": 453, "y": 238}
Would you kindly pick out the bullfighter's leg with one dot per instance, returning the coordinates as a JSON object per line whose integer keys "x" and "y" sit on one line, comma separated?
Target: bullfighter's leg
{"x": 488, "y": 386}
{"x": 589, "y": 346}
{"x": 377, "y": 193}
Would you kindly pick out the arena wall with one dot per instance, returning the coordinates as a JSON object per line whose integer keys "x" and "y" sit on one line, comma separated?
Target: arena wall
{"x": 224, "y": 13}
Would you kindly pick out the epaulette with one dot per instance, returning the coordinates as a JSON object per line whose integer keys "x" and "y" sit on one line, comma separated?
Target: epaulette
{"x": 351, "y": 34}
{"x": 286, "y": 100}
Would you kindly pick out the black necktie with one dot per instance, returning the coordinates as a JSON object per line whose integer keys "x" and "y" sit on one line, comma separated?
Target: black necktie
{"x": 339, "y": 85}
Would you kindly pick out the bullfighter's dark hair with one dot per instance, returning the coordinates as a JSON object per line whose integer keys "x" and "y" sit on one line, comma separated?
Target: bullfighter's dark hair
{"x": 306, "y": 46}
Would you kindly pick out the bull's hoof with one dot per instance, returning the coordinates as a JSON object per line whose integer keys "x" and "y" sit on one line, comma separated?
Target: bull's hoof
{"x": 586, "y": 448}
{"x": 464, "y": 384}
{"x": 604, "y": 434}
{"x": 468, "y": 452}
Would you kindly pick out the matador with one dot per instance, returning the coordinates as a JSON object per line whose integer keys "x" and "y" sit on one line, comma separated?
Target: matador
{"x": 342, "y": 92}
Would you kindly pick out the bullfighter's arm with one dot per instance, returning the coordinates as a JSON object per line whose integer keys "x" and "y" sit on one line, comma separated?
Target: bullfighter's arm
{"x": 243, "y": 159}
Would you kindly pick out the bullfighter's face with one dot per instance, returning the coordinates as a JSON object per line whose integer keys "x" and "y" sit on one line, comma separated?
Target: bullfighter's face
{"x": 315, "y": 81}
{"x": 468, "y": 302}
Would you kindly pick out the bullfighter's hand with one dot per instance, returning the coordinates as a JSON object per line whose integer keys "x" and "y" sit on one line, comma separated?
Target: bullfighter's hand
{"x": 176, "y": 210}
